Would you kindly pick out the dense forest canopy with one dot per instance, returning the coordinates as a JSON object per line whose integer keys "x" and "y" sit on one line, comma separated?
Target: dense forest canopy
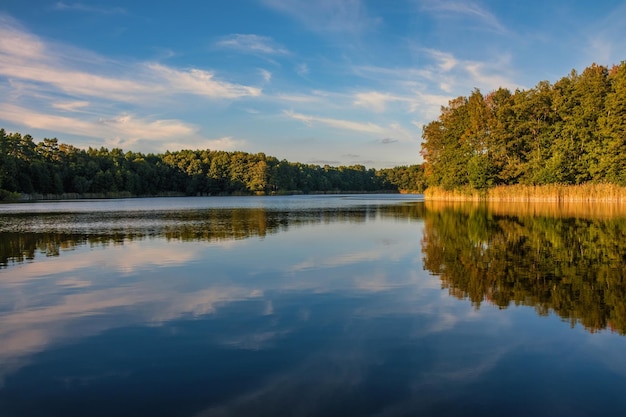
{"x": 569, "y": 132}
{"x": 50, "y": 167}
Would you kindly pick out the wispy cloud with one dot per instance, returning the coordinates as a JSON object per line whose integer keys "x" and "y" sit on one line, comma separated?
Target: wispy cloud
{"x": 199, "y": 82}
{"x": 302, "y": 69}
{"x": 436, "y": 82}
{"x": 346, "y": 16}
{"x": 298, "y": 98}
{"x": 122, "y": 130}
{"x": 24, "y": 56}
{"x": 125, "y": 126}
{"x": 464, "y": 9}
{"x": 251, "y": 43}
{"x": 336, "y": 123}
{"x": 414, "y": 101}
{"x": 71, "y": 106}
{"x": 445, "y": 61}
{"x": 604, "y": 43}
{"x": 15, "y": 42}
{"x": 80, "y": 7}
{"x": 267, "y": 76}
{"x": 378, "y": 101}
{"x": 489, "y": 76}
{"x": 55, "y": 87}
{"x": 227, "y": 143}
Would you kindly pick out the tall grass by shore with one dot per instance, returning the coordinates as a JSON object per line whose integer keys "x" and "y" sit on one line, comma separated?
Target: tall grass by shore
{"x": 553, "y": 193}
{"x": 591, "y": 210}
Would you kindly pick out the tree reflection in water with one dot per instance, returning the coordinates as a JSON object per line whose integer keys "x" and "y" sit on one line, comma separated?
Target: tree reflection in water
{"x": 568, "y": 260}
{"x": 25, "y": 236}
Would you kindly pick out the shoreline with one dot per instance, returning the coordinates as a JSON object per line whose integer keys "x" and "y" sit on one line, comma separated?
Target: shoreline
{"x": 30, "y": 198}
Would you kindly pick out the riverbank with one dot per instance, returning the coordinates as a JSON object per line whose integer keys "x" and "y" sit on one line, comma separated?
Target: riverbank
{"x": 21, "y": 197}
{"x": 584, "y": 193}
{"x": 10, "y": 197}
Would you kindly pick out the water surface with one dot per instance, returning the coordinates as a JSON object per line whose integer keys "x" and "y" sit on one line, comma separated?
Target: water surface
{"x": 309, "y": 306}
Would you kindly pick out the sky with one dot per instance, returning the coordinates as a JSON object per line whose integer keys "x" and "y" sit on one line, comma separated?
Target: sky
{"x": 337, "y": 82}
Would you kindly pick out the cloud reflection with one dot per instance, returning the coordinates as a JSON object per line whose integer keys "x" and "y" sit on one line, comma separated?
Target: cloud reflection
{"x": 151, "y": 281}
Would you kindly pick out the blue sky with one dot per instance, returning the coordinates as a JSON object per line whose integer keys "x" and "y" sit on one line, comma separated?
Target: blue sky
{"x": 337, "y": 82}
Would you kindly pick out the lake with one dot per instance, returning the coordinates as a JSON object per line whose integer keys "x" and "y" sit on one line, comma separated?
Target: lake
{"x": 334, "y": 305}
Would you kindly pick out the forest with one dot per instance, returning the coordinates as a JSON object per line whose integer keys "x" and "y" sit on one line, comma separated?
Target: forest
{"x": 569, "y": 133}
{"x": 52, "y": 168}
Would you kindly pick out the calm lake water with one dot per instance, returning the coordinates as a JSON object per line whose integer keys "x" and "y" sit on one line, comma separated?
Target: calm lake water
{"x": 311, "y": 306}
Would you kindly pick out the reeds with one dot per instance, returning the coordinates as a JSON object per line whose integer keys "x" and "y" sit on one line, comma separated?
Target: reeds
{"x": 591, "y": 210}
{"x": 553, "y": 193}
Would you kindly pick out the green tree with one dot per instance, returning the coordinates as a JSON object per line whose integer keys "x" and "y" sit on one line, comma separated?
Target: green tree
{"x": 612, "y": 124}
{"x": 445, "y": 154}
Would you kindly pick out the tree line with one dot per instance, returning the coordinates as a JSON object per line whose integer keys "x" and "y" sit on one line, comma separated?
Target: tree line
{"x": 570, "y": 132}
{"x": 51, "y": 167}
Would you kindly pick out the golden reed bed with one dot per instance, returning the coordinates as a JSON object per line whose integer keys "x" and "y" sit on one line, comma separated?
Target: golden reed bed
{"x": 587, "y": 200}
{"x": 588, "y": 193}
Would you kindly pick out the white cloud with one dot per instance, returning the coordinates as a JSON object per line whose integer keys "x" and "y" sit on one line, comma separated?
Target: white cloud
{"x": 201, "y": 82}
{"x": 418, "y": 102}
{"x": 392, "y": 130}
{"x": 445, "y": 86}
{"x": 434, "y": 85}
{"x": 227, "y": 143}
{"x": 57, "y": 68}
{"x": 378, "y": 101}
{"x": 132, "y": 127}
{"x": 38, "y": 120}
{"x": 252, "y": 44}
{"x": 336, "y": 123}
{"x": 121, "y": 129}
{"x": 488, "y": 76}
{"x": 446, "y": 61}
{"x": 418, "y": 124}
{"x": 58, "y": 88}
{"x": 16, "y": 42}
{"x": 70, "y": 81}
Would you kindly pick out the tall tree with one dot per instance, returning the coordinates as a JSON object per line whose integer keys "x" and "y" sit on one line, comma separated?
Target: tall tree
{"x": 612, "y": 162}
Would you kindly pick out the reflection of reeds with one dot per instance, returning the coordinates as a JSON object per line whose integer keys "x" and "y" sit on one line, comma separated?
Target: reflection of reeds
{"x": 583, "y": 193}
{"x": 563, "y": 209}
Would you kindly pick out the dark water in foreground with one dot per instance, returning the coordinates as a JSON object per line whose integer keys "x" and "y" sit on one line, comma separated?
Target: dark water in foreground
{"x": 310, "y": 306}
